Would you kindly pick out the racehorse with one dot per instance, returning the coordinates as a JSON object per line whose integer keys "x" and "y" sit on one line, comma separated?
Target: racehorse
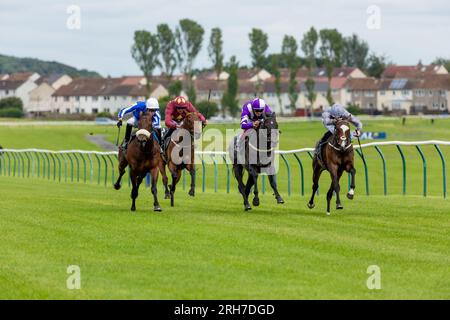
{"x": 245, "y": 159}
{"x": 178, "y": 159}
{"x": 337, "y": 156}
{"x": 143, "y": 156}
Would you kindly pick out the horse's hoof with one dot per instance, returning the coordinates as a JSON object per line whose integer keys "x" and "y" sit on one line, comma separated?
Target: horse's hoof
{"x": 280, "y": 200}
{"x": 350, "y": 196}
{"x": 192, "y": 193}
{"x": 133, "y": 209}
{"x": 117, "y": 186}
{"x": 311, "y": 205}
{"x": 167, "y": 196}
{"x": 256, "y": 202}
{"x": 328, "y": 214}
{"x": 339, "y": 207}
{"x": 157, "y": 209}
{"x": 247, "y": 207}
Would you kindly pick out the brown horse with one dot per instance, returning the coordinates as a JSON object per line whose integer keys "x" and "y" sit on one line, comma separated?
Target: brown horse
{"x": 143, "y": 156}
{"x": 176, "y": 155}
{"x": 337, "y": 156}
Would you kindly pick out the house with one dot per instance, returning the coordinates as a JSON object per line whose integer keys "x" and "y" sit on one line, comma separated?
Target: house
{"x": 413, "y": 71}
{"x": 363, "y": 92}
{"x": 94, "y": 95}
{"x": 430, "y": 95}
{"x": 18, "y": 85}
{"x": 41, "y": 96}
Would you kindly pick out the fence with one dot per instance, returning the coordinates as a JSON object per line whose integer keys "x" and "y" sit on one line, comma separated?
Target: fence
{"x": 100, "y": 167}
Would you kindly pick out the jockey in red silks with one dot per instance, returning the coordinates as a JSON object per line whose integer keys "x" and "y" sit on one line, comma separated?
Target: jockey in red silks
{"x": 176, "y": 111}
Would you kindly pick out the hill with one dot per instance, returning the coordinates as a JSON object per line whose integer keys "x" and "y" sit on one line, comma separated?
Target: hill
{"x": 10, "y": 64}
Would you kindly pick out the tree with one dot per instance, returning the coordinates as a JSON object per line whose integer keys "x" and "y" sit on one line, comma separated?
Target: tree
{"x": 289, "y": 50}
{"x": 355, "y": 52}
{"x": 274, "y": 62}
{"x": 229, "y": 99}
{"x": 207, "y": 108}
{"x": 189, "y": 38}
{"x": 215, "y": 50}
{"x": 145, "y": 52}
{"x": 175, "y": 88}
{"x": 331, "y": 52}
{"x": 167, "y": 43}
{"x": 443, "y": 61}
{"x": 309, "y": 48}
{"x": 376, "y": 65}
{"x": 258, "y": 46}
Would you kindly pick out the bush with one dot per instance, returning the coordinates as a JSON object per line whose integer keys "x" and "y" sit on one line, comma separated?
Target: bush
{"x": 209, "y": 109}
{"x": 11, "y": 103}
{"x": 163, "y": 101}
{"x": 354, "y": 109}
{"x": 11, "y": 113}
{"x": 105, "y": 114}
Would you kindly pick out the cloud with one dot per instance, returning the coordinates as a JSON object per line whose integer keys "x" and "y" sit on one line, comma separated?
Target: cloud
{"x": 410, "y": 30}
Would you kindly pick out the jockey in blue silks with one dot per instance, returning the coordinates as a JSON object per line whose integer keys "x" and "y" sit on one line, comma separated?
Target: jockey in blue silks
{"x": 152, "y": 106}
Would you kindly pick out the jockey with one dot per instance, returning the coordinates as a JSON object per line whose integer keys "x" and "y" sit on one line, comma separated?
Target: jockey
{"x": 176, "y": 111}
{"x": 334, "y": 113}
{"x": 151, "y": 105}
{"x": 252, "y": 113}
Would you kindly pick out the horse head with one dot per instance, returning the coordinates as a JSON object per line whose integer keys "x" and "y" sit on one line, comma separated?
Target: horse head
{"x": 192, "y": 124}
{"x": 143, "y": 135}
{"x": 342, "y": 134}
{"x": 269, "y": 123}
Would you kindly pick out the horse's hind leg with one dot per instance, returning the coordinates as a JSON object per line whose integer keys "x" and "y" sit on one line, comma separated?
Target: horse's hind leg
{"x": 154, "y": 174}
{"x": 122, "y": 166}
{"x": 316, "y": 176}
{"x": 273, "y": 184}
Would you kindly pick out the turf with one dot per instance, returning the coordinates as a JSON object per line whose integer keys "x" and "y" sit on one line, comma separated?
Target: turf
{"x": 207, "y": 247}
{"x": 205, "y": 251}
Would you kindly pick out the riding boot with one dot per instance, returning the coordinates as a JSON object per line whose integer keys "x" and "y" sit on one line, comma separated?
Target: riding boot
{"x": 127, "y": 136}
{"x": 161, "y": 144}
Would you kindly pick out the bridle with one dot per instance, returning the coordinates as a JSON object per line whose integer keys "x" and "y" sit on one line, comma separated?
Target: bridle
{"x": 335, "y": 138}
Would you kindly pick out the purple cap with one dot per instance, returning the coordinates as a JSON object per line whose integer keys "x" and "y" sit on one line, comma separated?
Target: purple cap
{"x": 258, "y": 104}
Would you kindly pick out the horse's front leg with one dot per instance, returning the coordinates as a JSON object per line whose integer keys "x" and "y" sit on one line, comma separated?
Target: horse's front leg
{"x": 176, "y": 175}
{"x": 165, "y": 179}
{"x": 333, "y": 174}
{"x": 337, "y": 190}
{"x": 135, "y": 182}
{"x": 154, "y": 174}
{"x": 256, "y": 192}
{"x": 191, "y": 169}
{"x": 248, "y": 187}
{"x": 238, "y": 171}
{"x": 352, "y": 171}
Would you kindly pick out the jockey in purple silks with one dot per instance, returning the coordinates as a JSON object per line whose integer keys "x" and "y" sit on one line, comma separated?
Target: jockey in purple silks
{"x": 253, "y": 112}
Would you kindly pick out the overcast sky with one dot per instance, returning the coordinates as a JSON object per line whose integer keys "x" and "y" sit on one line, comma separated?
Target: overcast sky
{"x": 410, "y": 29}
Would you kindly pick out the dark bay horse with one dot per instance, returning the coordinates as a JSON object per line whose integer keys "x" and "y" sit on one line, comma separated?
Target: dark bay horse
{"x": 180, "y": 152}
{"x": 143, "y": 156}
{"x": 259, "y": 143}
{"x": 337, "y": 156}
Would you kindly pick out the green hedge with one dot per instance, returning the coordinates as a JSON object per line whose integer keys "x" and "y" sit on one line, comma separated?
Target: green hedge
{"x": 11, "y": 113}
